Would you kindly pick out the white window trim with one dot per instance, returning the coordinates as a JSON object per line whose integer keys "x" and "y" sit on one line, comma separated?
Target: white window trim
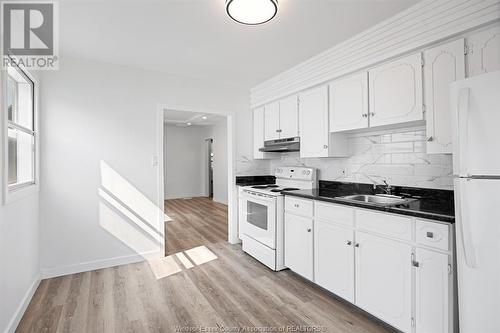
{"x": 14, "y": 193}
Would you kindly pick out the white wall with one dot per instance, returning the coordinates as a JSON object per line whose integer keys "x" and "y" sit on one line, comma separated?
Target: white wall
{"x": 218, "y": 132}
{"x": 19, "y": 259}
{"x": 100, "y": 190}
{"x": 186, "y": 161}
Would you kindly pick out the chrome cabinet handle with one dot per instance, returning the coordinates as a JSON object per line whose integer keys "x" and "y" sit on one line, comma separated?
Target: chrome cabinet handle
{"x": 356, "y": 245}
{"x": 309, "y": 229}
{"x": 296, "y": 205}
{"x": 278, "y": 130}
{"x": 349, "y": 243}
{"x": 372, "y": 114}
{"x": 365, "y": 115}
{"x": 325, "y": 146}
{"x": 430, "y": 139}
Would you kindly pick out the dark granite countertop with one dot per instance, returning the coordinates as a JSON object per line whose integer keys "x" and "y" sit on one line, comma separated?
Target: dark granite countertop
{"x": 425, "y": 203}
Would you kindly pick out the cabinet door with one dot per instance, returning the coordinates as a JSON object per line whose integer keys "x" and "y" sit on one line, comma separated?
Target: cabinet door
{"x": 289, "y": 117}
{"x": 396, "y": 92}
{"x": 443, "y": 65}
{"x": 258, "y": 133}
{"x": 349, "y": 103}
{"x": 313, "y": 122}
{"x": 299, "y": 245}
{"x": 334, "y": 259}
{"x": 272, "y": 121}
{"x": 383, "y": 279}
{"x": 483, "y": 54}
{"x": 432, "y": 288}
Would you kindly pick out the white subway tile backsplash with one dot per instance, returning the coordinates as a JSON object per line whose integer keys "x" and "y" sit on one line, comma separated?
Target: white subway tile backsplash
{"x": 400, "y": 147}
{"x": 408, "y": 136}
{"x": 411, "y": 158}
{"x": 398, "y": 157}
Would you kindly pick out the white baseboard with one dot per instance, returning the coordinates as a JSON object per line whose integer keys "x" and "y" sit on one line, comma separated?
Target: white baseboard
{"x": 98, "y": 264}
{"x": 18, "y": 315}
{"x": 219, "y": 200}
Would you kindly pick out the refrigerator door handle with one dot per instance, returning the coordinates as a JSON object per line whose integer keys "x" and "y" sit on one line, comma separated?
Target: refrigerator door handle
{"x": 463, "y": 129}
{"x": 463, "y": 224}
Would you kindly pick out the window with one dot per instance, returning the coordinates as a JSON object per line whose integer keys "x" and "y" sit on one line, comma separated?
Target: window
{"x": 21, "y": 134}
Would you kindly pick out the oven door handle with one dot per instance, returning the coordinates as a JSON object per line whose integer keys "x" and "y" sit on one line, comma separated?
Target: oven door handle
{"x": 258, "y": 196}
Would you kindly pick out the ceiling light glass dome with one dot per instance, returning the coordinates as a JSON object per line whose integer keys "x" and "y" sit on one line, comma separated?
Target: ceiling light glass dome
{"x": 252, "y": 12}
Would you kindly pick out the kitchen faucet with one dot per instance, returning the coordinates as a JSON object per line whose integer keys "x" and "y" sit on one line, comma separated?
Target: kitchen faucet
{"x": 386, "y": 187}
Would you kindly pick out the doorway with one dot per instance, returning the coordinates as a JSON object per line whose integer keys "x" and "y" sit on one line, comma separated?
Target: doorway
{"x": 210, "y": 167}
{"x": 195, "y": 179}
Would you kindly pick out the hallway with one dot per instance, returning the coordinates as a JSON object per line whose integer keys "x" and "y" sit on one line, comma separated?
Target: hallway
{"x": 195, "y": 222}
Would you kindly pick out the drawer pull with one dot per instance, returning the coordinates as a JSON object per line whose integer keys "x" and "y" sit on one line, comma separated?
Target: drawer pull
{"x": 430, "y": 234}
{"x": 308, "y": 229}
{"x": 349, "y": 243}
{"x": 356, "y": 245}
{"x": 296, "y": 205}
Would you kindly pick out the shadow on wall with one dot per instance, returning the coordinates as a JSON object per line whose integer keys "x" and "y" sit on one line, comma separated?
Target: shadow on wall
{"x": 129, "y": 215}
{"x": 137, "y": 222}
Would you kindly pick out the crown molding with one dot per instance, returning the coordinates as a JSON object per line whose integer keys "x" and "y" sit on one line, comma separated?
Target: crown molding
{"x": 426, "y": 23}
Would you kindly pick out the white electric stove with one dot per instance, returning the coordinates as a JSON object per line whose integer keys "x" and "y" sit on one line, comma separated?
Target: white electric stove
{"x": 261, "y": 214}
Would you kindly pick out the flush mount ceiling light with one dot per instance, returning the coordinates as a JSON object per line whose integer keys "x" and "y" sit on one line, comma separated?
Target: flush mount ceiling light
{"x": 252, "y": 12}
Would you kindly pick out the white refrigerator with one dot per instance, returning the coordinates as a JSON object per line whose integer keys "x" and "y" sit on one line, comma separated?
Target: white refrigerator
{"x": 475, "y": 105}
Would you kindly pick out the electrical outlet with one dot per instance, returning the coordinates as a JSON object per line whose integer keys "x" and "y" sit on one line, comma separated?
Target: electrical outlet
{"x": 154, "y": 160}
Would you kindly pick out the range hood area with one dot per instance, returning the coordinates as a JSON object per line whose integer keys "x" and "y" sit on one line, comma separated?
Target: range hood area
{"x": 281, "y": 145}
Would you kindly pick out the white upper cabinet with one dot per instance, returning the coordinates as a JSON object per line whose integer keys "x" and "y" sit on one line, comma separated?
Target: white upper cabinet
{"x": 282, "y": 119}
{"x": 442, "y": 65}
{"x": 334, "y": 258}
{"x": 383, "y": 279}
{"x": 396, "y": 92}
{"x": 272, "y": 121}
{"x": 349, "y": 103}
{"x": 483, "y": 52}
{"x": 432, "y": 292}
{"x": 289, "y": 117}
{"x": 313, "y": 122}
{"x": 258, "y": 132}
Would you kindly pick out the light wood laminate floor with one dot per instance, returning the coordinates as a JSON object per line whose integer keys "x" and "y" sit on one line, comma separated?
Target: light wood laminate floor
{"x": 202, "y": 282}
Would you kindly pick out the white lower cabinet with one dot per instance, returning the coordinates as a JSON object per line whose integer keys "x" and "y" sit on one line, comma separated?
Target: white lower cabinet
{"x": 334, "y": 259}
{"x": 383, "y": 279}
{"x": 432, "y": 292}
{"x": 299, "y": 245}
{"x": 404, "y": 278}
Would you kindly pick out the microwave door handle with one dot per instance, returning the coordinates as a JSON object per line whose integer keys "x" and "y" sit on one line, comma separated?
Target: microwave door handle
{"x": 463, "y": 129}
{"x": 463, "y": 224}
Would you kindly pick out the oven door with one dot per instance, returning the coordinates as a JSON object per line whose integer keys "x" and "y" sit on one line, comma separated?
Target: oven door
{"x": 258, "y": 217}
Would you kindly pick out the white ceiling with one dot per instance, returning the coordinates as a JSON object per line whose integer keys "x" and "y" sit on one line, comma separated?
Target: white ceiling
{"x": 186, "y": 118}
{"x": 195, "y": 38}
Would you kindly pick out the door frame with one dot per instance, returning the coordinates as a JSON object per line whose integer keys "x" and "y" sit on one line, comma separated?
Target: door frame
{"x": 232, "y": 225}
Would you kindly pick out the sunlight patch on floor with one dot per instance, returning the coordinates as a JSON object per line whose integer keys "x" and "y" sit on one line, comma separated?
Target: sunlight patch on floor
{"x": 177, "y": 262}
{"x": 201, "y": 255}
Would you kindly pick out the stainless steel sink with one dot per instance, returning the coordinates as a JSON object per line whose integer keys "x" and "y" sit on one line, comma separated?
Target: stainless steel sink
{"x": 380, "y": 200}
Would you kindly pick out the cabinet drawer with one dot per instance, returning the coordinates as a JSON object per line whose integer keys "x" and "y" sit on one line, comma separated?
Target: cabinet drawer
{"x": 298, "y": 206}
{"x": 334, "y": 213}
{"x": 433, "y": 234}
{"x": 383, "y": 223}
